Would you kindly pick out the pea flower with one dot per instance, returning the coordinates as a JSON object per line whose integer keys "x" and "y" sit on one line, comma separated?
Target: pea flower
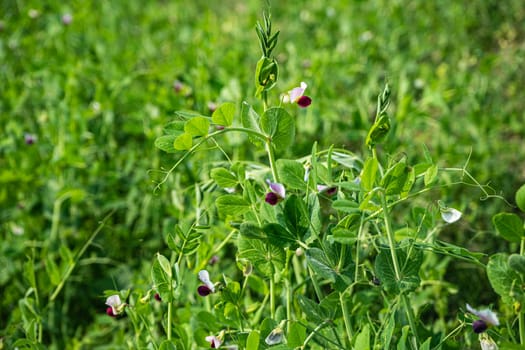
{"x": 276, "y": 335}
{"x": 276, "y": 194}
{"x": 30, "y": 138}
{"x": 215, "y": 341}
{"x": 296, "y": 95}
{"x": 328, "y": 190}
{"x": 67, "y": 18}
{"x": 208, "y": 286}
{"x": 487, "y": 318}
{"x": 450, "y": 215}
{"x": 116, "y": 306}
{"x": 486, "y": 342}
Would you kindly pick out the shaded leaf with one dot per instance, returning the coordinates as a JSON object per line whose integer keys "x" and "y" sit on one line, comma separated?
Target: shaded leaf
{"x": 266, "y": 258}
{"x": 291, "y": 173}
{"x": 509, "y": 226}
{"x": 230, "y": 204}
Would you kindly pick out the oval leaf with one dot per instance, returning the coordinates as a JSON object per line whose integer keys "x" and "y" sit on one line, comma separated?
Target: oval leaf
{"x": 183, "y": 142}
{"x": 520, "y": 198}
{"x": 224, "y": 114}
{"x": 509, "y": 226}
{"x": 198, "y": 126}
{"x": 279, "y": 125}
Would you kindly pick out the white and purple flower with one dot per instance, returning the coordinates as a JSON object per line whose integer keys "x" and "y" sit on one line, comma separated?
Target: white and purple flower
{"x": 277, "y": 193}
{"x": 296, "y": 95}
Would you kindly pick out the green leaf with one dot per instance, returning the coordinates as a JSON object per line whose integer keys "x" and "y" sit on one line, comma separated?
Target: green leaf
{"x": 165, "y": 265}
{"x": 397, "y": 178}
{"x": 52, "y": 270}
{"x": 188, "y": 114}
{"x": 251, "y": 230}
{"x": 266, "y": 74}
{"x": 430, "y": 175}
{"x": 266, "y": 258}
{"x": 223, "y": 177}
{"x": 505, "y": 281}
{"x": 321, "y": 264}
{"x": 368, "y": 175}
{"x": 291, "y": 173}
{"x": 224, "y": 114}
{"x": 232, "y": 292}
{"x": 250, "y": 120}
{"x": 175, "y": 127}
{"x": 409, "y": 270}
{"x": 280, "y": 236}
{"x": 362, "y": 341}
{"x": 183, "y": 142}
{"x": 231, "y": 204}
{"x": 378, "y": 131}
{"x": 517, "y": 263}
{"x": 520, "y": 198}
{"x": 166, "y": 143}
{"x": 252, "y": 343}
{"x": 313, "y": 311}
{"x": 197, "y": 126}
{"x": 167, "y": 345}
{"x": 161, "y": 281}
{"x": 296, "y": 216}
{"x": 296, "y": 334}
{"x": 509, "y": 226}
{"x": 279, "y": 125}
{"x": 346, "y": 206}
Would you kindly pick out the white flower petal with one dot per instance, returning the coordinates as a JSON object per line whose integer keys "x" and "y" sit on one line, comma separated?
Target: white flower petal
{"x": 204, "y": 276}
{"x": 113, "y": 301}
{"x": 214, "y": 341}
{"x": 486, "y": 315}
{"x": 277, "y": 188}
{"x": 297, "y": 92}
{"x": 450, "y": 215}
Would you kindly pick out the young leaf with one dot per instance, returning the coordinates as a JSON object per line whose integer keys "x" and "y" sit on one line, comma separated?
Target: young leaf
{"x": 279, "y": 125}
{"x": 224, "y": 114}
{"x": 166, "y": 143}
{"x": 253, "y": 340}
{"x": 183, "y": 142}
{"x": 509, "y": 226}
{"x": 197, "y": 126}
{"x": 362, "y": 341}
{"x": 430, "y": 175}
{"x": 378, "y": 131}
{"x": 368, "y": 175}
{"x": 397, "y": 178}
{"x": 161, "y": 280}
{"x": 296, "y": 216}
{"x": 250, "y": 120}
{"x": 230, "y": 204}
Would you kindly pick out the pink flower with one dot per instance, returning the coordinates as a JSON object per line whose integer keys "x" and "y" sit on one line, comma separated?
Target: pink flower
{"x": 215, "y": 342}
{"x": 276, "y": 194}
{"x": 296, "y": 95}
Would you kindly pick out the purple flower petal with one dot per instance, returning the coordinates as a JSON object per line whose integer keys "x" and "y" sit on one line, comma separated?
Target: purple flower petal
{"x": 304, "y": 101}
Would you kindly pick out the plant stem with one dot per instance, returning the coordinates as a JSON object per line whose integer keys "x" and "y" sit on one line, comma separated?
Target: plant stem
{"x": 271, "y": 159}
{"x": 346, "y": 318}
{"x": 168, "y": 326}
{"x": 272, "y": 298}
{"x": 521, "y": 320}
{"x": 397, "y": 271}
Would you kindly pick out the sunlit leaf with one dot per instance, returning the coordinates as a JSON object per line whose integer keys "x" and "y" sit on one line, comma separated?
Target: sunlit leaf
{"x": 223, "y": 115}
{"x": 509, "y": 226}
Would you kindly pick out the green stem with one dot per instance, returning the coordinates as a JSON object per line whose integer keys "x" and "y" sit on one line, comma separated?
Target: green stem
{"x": 272, "y": 298}
{"x": 397, "y": 271}
{"x": 521, "y": 320}
{"x": 271, "y": 159}
{"x": 168, "y": 326}
{"x": 346, "y": 318}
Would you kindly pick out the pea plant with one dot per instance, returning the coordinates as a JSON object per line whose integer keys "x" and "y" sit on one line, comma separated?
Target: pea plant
{"x": 328, "y": 250}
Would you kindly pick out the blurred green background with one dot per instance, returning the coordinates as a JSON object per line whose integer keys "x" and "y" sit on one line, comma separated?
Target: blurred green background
{"x": 95, "y": 89}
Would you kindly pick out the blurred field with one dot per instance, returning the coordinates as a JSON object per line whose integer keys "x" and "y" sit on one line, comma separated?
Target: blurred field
{"x": 95, "y": 93}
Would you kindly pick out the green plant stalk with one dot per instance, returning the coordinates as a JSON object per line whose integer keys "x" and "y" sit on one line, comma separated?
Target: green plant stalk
{"x": 272, "y": 298}
{"x": 271, "y": 159}
{"x": 346, "y": 318}
{"x": 397, "y": 271}
{"x": 521, "y": 313}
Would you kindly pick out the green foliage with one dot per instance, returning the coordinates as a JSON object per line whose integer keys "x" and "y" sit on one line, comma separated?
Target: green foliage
{"x": 86, "y": 96}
